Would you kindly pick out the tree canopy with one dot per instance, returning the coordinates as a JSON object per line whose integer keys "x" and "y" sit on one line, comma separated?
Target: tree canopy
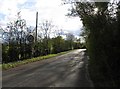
{"x": 101, "y": 21}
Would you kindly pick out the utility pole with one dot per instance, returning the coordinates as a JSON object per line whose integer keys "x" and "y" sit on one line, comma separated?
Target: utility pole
{"x": 36, "y": 26}
{"x": 34, "y": 51}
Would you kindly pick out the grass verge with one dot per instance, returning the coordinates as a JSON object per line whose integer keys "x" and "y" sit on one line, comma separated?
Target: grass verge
{"x": 18, "y": 63}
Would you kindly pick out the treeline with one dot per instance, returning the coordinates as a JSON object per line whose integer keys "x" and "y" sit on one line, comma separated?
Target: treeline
{"x": 19, "y": 41}
{"x": 15, "y": 52}
{"x": 101, "y": 22}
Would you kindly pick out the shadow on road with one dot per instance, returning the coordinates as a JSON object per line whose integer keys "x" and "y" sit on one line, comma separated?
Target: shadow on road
{"x": 69, "y": 70}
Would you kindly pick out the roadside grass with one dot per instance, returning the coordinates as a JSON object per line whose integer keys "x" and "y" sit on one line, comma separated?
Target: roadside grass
{"x": 10, "y": 65}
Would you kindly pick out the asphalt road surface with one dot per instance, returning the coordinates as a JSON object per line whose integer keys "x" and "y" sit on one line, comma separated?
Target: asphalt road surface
{"x": 68, "y": 70}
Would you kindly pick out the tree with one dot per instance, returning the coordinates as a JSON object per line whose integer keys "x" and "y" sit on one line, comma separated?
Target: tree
{"x": 15, "y": 35}
{"x": 70, "y": 38}
{"x": 46, "y": 27}
{"x": 58, "y": 44}
{"x": 101, "y": 23}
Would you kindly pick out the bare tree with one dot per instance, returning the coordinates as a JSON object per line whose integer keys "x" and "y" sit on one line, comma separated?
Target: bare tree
{"x": 70, "y": 38}
{"x": 46, "y": 28}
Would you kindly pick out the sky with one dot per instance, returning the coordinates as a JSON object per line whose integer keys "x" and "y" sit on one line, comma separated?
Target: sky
{"x": 52, "y": 10}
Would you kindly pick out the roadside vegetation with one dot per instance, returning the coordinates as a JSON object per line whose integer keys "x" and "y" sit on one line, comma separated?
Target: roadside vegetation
{"x": 23, "y": 44}
{"x": 101, "y": 30}
{"x": 6, "y": 66}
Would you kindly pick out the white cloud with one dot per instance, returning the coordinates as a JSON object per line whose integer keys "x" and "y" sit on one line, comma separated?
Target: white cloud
{"x": 47, "y": 9}
{"x": 29, "y": 16}
{"x": 9, "y": 9}
{"x": 10, "y": 6}
{"x": 47, "y": 3}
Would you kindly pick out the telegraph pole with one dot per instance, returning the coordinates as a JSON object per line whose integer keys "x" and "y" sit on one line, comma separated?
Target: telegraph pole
{"x": 36, "y": 26}
{"x": 35, "y": 44}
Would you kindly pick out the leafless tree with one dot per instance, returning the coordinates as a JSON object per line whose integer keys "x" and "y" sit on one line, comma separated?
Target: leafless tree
{"x": 46, "y": 27}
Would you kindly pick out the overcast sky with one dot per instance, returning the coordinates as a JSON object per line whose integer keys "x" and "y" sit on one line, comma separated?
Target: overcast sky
{"x": 51, "y": 10}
